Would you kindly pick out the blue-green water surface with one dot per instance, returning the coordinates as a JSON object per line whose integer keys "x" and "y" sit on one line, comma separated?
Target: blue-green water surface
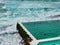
{"x": 43, "y": 29}
{"x": 56, "y": 42}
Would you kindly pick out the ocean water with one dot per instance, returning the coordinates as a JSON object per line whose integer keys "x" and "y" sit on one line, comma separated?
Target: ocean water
{"x": 13, "y": 11}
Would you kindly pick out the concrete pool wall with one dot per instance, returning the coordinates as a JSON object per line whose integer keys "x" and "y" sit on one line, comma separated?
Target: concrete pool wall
{"x": 36, "y": 41}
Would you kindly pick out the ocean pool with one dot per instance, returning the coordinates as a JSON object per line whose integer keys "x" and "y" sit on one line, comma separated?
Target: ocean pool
{"x": 56, "y": 42}
{"x": 43, "y": 29}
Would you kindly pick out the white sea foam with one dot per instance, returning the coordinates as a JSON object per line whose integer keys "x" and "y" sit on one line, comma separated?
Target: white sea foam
{"x": 11, "y": 18}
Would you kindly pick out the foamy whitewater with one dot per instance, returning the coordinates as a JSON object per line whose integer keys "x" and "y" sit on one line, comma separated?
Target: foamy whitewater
{"x": 22, "y": 11}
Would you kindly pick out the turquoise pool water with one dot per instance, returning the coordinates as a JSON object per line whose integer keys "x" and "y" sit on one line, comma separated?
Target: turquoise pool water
{"x": 43, "y": 29}
{"x": 56, "y": 42}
